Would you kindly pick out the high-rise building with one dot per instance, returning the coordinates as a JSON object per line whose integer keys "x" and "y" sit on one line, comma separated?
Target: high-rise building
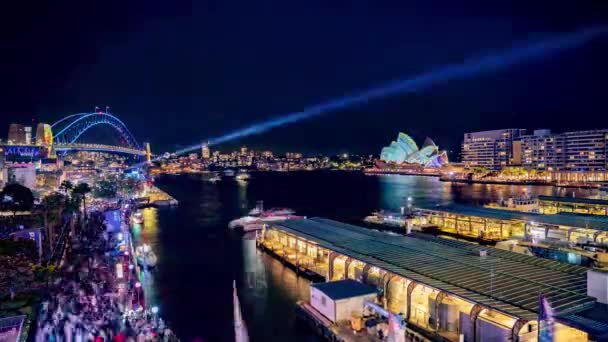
{"x": 16, "y": 134}
{"x": 492, "y": 150}
{"x": 205, "y": 151}
{"x": 569, "y": 151}
{"x": 28, "y": 135}
{"x": 543, "y": 150}
{"x": 586, "y": 150}
{"x": 244, "y": 150}
{"x": 267, "y": 154}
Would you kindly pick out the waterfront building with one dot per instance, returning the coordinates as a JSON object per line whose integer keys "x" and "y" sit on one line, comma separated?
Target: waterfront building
{"x": 448, "y": 287}
{"x": 16, "y": 134}
{"x": 586, "y": 150}
{"x": 497, "y": 224}
{"x": 492, "y": 150}
{"x": 405, "y": 150}
{"x": 557, "y": 204}
{"x": 543, "y": 151}
{"x": 576, "y": 151}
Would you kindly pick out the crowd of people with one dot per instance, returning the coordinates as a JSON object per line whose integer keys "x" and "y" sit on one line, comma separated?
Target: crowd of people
{"x": 86, "y": 301}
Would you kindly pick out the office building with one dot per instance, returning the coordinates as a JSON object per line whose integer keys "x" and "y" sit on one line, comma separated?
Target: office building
{"x": 491, "y": 150}
{"x": 16, "y": 134}
{"x": 28, "y": 135}
{"x": 586, "y": 150}
{"x": 543, "y": 150}
{"x": 205, "y": 152}
{"x": 580, "y": 151}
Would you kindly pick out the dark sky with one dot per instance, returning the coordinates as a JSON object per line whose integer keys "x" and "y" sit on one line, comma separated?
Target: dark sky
{"x": 179, "y": 72}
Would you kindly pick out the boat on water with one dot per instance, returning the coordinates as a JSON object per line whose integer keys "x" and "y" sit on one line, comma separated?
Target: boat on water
{"x": 258, "y": 217}
{"x": 524, "y": 203}
{"x": 242, "y": 176}
{"x": 145, "y": 256}
{"x": 388, "y": 218}
{"x": 138, "y": 217}
{"x": 229, "y": 172}
{"x": 259, "y": 211}
{"x": 215, "y": 178}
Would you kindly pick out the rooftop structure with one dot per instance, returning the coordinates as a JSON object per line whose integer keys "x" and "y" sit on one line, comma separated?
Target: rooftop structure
{"x": 405, "y": 150}
{"x": 499, "y": 224}
{"x": 575, "y": 205}
{"x": 346, "y": 288}
{"x": 426, "y": 272}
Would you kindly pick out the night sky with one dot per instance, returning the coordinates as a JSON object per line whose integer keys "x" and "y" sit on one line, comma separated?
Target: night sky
{"x": 177, "y": 74}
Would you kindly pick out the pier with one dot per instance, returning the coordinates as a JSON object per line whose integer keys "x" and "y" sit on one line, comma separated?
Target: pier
{"x": 445, "y": 287}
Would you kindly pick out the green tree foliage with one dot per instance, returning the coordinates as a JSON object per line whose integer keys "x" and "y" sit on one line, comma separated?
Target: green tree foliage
{"x": 130, "y": 186}
{"x": 66, "y": 186}
{"x": 81, "y": 190}
{"x": 52, "y": 206}
{"x": 105, "y": 189}
{"x": 16, "y": 197}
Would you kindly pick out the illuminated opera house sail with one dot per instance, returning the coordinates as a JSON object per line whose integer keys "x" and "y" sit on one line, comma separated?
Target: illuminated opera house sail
{"x": 405, "y": 150}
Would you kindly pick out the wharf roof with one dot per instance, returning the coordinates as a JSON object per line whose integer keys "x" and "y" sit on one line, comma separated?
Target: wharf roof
{"x": 342, "y": 289}
{"x": 504, "y": 281}
{"x": 573, "y": 221}
{"x": 581, "y": 200}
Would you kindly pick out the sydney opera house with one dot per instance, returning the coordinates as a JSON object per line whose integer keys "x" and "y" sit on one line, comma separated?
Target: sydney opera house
{"x": 405, "y": 151}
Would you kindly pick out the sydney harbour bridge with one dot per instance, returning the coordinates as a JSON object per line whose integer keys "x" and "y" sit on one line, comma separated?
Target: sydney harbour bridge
{"x": 67, "y": 132}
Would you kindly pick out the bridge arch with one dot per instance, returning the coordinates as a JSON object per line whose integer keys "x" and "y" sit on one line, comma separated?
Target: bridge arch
{"x": 72, "y": 127}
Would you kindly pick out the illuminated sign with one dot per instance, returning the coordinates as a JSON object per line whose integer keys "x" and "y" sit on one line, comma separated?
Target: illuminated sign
{"x": 21, "y": 153}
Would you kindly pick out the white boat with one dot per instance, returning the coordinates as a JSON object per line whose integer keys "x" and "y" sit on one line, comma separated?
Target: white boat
{"x": 229, "y": 172}
{"x": 242, "y": 176}
{"x": 215, "y": 178}
{"x": 259, "y": 211}
{"x": 258, "y": 217}
{"x": 145, "y": 256}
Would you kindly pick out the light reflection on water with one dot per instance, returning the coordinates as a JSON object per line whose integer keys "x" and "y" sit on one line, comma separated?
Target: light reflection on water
{"x": 147, "y": 233}
{"x": 199, "y": 258}
{"x": 395, "y": 189}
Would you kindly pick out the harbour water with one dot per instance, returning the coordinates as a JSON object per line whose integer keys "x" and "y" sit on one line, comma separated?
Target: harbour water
{"x": 199, "y": 257}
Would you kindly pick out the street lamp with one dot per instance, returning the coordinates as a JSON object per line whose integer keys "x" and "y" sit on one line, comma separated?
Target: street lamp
{"x": 154, "y": 311}
{"x": 137, "y": 286}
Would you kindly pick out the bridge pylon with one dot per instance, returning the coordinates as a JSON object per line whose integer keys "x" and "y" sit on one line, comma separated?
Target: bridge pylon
{"x": 148, "y": 152}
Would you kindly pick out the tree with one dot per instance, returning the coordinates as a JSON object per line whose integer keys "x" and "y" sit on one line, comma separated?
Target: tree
{"x": 81, "y": 190}
{"x": 66, "y": 186}
{"x": 130, "y": 186}
{"x": 16, "y": 197}
{"x": 52, "y": 209}
{"x": 105, "y": 189}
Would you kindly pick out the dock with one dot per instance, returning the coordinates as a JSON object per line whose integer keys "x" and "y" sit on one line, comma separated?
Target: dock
{"x": 445, "y": 287}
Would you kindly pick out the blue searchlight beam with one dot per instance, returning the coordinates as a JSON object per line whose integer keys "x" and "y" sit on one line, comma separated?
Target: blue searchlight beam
{"x": 493, "y": 62}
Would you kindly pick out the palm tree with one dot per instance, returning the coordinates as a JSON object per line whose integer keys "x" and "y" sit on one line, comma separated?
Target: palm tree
{"x": 52, "y": 208}
{"x": 81, "y": 190}
{"x": 66, "y": 186}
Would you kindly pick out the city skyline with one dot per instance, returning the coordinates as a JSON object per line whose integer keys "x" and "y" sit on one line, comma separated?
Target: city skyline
{"x": 207, "y": 76}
